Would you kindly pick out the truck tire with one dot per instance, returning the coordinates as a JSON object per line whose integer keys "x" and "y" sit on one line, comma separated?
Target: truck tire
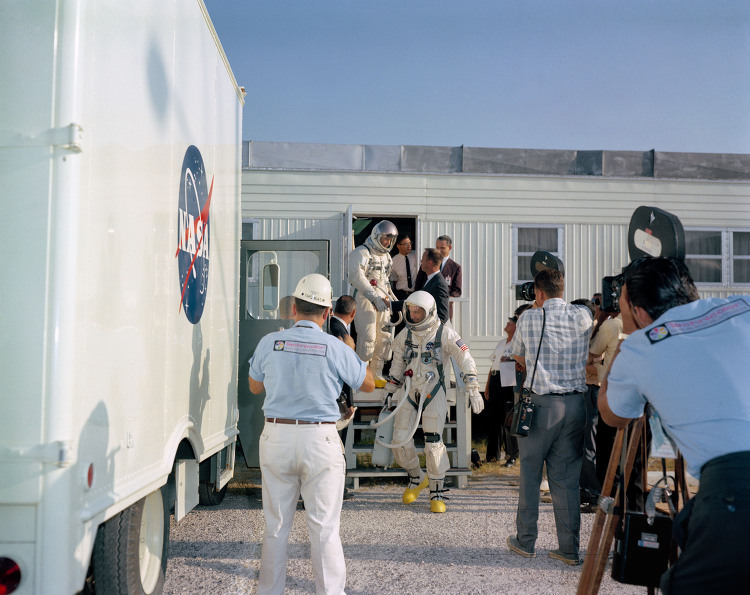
{"x": 130, "y": 552}
{"x": 209, "y": 496}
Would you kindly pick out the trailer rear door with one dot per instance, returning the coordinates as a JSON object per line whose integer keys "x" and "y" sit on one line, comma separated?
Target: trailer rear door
{"x": 269, "y": 272}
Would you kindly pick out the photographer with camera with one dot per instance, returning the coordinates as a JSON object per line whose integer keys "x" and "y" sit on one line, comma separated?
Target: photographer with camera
{"x": 552, "y": 341}
{"x": 687, "y": 358}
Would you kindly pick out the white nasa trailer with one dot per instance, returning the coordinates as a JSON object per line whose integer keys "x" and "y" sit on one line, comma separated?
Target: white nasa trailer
{"x": 120, "y": 154}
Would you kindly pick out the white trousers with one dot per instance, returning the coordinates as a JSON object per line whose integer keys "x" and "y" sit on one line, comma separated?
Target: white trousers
{"x": 373, "y": 343}
{"x": 306, "y": 459}
{"x": 433, "y": 421}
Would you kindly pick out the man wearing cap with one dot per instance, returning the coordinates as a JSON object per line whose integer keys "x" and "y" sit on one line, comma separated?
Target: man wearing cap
{"x": 499, "y": 399}
{"x": 302, "y": 370}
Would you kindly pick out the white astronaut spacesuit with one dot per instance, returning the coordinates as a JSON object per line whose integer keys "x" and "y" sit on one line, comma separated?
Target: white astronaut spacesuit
{"x": 369, "y": 273}
{"x": 420, "y": 353}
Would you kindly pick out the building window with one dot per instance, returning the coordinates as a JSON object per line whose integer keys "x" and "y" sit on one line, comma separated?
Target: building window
{"x": 740, "y": 257}
{"x": 703, "y": 254}
{"x": 718, "y": 256}
{"x": 530, "y": 239}
{"x": 250, "y": 229}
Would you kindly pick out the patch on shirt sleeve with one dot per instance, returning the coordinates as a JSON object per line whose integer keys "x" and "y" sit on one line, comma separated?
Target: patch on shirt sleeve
{"x": 715, "y": 316}
{"x": 300, "y": 347}
{"x": 461, "y": 345}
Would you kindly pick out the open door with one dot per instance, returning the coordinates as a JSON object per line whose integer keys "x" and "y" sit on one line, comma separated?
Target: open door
{"x": 269, "y": 272}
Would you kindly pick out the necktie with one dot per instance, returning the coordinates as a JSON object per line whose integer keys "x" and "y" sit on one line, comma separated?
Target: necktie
{"x": 408, "y": 273}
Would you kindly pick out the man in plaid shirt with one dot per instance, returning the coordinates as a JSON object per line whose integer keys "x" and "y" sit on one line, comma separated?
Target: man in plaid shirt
{"x": 556, "y": 434}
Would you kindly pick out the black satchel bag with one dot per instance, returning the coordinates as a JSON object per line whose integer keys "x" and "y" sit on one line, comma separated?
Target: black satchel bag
{"x": 524, "y": 409}
{"x": 643, "y": 540}
{"x": 642, "y": 549}
{"x": 523, "y": 415}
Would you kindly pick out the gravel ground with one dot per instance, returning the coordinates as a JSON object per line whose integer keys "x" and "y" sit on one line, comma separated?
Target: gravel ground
{"x": 389, "y": 547}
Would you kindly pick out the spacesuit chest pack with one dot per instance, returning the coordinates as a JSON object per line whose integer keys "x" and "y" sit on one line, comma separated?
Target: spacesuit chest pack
{"x": 433, "y": 353}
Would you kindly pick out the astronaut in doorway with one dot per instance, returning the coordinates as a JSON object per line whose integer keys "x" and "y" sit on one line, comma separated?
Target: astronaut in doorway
{"x": 420, "y": 352}
{"x": 369, "y": 273}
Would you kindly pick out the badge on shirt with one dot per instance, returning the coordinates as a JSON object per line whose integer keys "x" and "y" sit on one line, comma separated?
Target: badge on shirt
{"x": 461, "y": 345}
{"x": 715, "y": 316}
{"x": 301, "y": 348}
{"x": 658, "y": 333}
{"x": 429, "y": 346}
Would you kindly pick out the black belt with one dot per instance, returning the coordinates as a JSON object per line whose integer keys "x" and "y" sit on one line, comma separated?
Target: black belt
{"x": 296, "y": 422}
{"x": 570, "y": 394}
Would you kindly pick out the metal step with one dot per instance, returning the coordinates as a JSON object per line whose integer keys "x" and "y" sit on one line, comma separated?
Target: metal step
{"x": 459, "y": 474}
{"x": 360, "y": 447}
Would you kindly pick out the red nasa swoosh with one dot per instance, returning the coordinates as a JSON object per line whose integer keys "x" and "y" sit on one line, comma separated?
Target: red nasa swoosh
{"x": 204, "y": 218}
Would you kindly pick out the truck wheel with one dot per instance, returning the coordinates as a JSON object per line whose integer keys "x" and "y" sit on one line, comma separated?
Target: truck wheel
{"x": 209, "y": 496}
{"x": 130, "y": 553}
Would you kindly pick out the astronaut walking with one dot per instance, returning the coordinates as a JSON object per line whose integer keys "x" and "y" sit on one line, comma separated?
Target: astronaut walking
{"x": 369, "y": 273}
{"x": 420, "y": 351}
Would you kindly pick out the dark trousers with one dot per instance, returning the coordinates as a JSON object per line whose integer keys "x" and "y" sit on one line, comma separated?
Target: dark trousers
{"x": 715, "y": 526}
{"x": 590, "y": 482}
{"x": 499, "y": 402}
{"x": 605, "y": 441}
{"x": 555, "y": 438}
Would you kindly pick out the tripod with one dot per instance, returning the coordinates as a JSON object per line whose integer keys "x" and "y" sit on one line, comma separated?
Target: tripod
{"x": 609, "y": 512}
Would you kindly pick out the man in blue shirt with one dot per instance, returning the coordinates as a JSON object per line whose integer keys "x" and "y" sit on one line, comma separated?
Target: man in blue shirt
{"x": 302, "y": 370}
{"x": 688, "y": 358}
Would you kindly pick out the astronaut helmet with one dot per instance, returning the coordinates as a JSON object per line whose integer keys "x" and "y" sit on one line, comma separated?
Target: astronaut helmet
{"x": 383, "y": 237}
{"x": 316, "y": 289}
{"x": 420, "y": 311}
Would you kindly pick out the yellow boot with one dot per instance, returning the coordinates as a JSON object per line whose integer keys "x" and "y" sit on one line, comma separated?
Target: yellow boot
{"x": 415, "y": 486}
{"x": 437, "y": 500}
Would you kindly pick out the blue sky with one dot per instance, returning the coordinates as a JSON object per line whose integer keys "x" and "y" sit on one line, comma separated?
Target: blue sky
{"x": 580, "y": 74}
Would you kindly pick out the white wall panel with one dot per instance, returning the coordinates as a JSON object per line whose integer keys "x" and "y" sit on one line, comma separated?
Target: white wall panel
{"x": 478, "y": 212}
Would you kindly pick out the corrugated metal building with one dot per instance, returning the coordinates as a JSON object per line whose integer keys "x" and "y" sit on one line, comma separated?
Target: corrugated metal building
{"x": 500, "y": 206}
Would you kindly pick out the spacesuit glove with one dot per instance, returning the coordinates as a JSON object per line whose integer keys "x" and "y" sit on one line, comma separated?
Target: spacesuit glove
{"x": 477, "y": 403}
{"x": 390, "y": 388}
{"x": 380, "y": 304}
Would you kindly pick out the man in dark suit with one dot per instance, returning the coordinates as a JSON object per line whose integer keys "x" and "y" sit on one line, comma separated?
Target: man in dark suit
{"x": 339, "y": 325}
{"x": 449, "y": 268}
{"x": 435, "y": 283}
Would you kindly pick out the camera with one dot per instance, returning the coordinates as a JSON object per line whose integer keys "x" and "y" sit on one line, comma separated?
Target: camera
{"x": 525, "y": 291}
{"x": 611, "y": 289}
{"x": 539, "y": 261}
{"x": 652, "y": 232}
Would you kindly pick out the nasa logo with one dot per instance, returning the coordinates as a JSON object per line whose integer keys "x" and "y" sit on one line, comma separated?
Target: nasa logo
{"x": 193, "y": 234}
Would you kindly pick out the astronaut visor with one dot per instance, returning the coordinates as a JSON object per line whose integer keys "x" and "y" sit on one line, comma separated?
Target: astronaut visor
{"x": 415, "y": 314}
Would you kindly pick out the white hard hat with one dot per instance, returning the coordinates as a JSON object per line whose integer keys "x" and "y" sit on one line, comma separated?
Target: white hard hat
{"x": 316, "y": 289}
{"x": 383, "y": 229}
{"x": 425, "y": 301}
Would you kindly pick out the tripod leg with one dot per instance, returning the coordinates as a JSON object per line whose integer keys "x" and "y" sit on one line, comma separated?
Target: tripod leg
{"x": 594, "y": 556}
{"x": 606, "y": 524}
